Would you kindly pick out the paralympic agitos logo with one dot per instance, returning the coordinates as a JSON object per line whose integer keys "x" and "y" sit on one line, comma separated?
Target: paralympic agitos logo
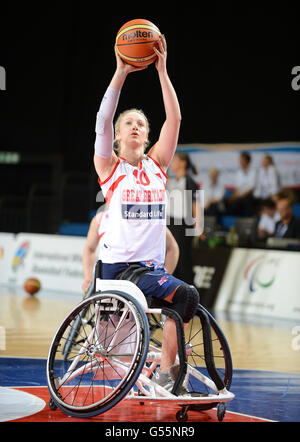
{"x": 261, "y": 272}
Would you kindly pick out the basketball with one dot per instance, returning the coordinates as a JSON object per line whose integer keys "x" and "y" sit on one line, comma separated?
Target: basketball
{"x": 32, "y": 285}
{"x": 135, "y": 41}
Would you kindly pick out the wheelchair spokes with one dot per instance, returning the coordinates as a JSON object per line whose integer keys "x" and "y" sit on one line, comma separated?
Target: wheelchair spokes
{"x": 111, "y": 345}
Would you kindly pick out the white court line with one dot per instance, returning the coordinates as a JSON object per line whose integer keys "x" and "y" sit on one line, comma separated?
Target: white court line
{"x": 15, "y": 404}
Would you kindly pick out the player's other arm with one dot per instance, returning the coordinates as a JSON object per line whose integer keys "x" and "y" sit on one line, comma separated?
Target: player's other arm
{"x": 163, "y": 151}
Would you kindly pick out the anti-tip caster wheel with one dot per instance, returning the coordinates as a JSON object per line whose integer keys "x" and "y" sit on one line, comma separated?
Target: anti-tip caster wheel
{"x": 221, "y": 410}
{"x": 52, "y": 404}
{"x": 182, "y": 415}
{"x": 141, "y": 394}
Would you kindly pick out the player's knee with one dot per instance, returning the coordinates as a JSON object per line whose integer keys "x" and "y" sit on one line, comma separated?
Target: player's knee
{"x": 185, "y": 301}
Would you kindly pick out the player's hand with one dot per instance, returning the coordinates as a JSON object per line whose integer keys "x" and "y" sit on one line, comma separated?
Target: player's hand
{"x": 161, "y": 51}
{"x": 126, "y": 68}
{"x": 86, "y": 284}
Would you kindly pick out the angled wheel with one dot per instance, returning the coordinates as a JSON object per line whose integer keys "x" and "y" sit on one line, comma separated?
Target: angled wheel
{"x": 74, "y": 338}
{"x": 112, "y": 338}
{"x": 221, "y": 356}
{"x": 221, "y": 352}
{"x": 196, "y": 353}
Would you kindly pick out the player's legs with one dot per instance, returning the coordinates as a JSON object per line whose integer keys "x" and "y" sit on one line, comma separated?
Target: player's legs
{"x": 176, "y": 294}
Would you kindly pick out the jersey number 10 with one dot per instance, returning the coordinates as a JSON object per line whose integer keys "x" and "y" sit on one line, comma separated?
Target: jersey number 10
{"x": 141, "y": 178}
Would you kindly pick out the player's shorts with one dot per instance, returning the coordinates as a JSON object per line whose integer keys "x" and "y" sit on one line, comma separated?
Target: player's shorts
{"x": 156, "y": 283}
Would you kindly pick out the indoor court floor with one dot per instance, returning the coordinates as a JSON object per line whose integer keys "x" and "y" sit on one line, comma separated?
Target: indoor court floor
{"x": 265, "y": 353}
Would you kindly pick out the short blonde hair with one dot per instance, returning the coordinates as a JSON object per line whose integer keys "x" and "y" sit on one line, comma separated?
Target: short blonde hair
{"x": 117, "y": 127}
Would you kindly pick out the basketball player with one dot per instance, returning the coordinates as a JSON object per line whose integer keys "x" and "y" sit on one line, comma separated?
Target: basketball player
{"x": 96, "y": 234}
{"x": 134, "y": 188}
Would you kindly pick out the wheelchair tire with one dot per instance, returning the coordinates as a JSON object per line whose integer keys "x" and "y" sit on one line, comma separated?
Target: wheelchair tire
{"x": 74, "y": 339}
{"x": 222, "y": 357}
{"x": 115, "y": 339}
{"x": 195, "y": 352}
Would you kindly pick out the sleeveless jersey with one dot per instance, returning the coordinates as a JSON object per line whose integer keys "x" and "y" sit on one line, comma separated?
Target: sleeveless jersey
{"x": 136, "y": 200}
{"x": 102, "y": 219}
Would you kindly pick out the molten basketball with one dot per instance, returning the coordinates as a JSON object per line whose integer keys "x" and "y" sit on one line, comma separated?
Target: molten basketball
{"x": 135, "y": 41}
{"x": 32, "y": 285}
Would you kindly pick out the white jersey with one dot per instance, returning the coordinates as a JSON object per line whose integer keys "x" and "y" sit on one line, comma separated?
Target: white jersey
{"x": 102, "y": 218}
{"x": 136, "y": 200}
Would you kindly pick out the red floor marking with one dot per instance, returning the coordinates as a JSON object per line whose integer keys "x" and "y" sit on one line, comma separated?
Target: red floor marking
{"x": 126, "y": 412}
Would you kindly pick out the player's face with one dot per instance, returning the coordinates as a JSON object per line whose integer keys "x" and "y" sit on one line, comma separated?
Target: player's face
{"x": 133, "y": 129}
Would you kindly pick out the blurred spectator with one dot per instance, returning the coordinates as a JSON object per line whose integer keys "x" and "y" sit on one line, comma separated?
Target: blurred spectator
{"x": 268, "y": 181}
{"x": 214, "y": 192}
{"x": 268, "y": 218}
{"x": 288, "y": 226}
{"x": 181, "y": 210}
{"x": 241, "y": 202}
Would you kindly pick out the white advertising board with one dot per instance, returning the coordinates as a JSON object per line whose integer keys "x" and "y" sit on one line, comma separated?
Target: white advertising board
{"x": 7, "y": 246}
{"x": 262, "y": 283}
{"x": 53, "y": 259}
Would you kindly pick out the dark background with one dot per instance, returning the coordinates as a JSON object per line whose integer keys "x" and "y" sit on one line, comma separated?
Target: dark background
{"x": 231, "y": 69}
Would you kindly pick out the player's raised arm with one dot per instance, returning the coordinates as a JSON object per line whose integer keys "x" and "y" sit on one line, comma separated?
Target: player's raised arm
{"x": 105, "y": 158}
{"x": 165, "y": 147}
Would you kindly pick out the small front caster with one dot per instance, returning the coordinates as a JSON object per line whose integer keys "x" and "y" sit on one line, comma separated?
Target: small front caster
{"x": 182, "y": 415}
{"x": 52, "y": 404}
{"x": 221, "y": 410}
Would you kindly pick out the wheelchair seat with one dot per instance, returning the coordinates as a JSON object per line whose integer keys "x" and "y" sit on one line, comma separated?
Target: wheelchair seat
{"x": 130, "y": 288}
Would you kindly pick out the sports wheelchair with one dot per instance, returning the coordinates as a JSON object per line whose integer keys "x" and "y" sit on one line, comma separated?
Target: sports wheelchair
{"x": 109, "y": 346}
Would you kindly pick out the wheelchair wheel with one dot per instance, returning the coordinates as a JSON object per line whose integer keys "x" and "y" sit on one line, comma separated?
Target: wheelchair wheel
{"x": 195, "y": 353}
{"x": 195, "y": 356}
{"x": 74, "y": 338}
{"x": 220, "y": 347}
{"x": 112, "y": 336}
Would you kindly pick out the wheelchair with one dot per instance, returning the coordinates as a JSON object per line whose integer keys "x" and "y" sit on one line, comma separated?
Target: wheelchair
{"x": 108, "y": 348}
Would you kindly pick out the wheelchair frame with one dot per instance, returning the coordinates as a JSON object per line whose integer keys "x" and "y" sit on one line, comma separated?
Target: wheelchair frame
{"x": 138, "y": 385}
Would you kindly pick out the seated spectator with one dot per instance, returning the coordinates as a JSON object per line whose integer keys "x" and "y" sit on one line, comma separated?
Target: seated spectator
{"x": 268, "y": 218}
{"x": 288, "y": 226}
{"x": 241, "y": 201}
{"x": 214, "y": 192}
{"x": 268, "y": 181}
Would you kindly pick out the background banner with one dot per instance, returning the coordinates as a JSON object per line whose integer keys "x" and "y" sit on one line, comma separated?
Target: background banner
{"x": 261, "y": 282}
{"x": 54, "y": 260}
{"x": 7, "y": 250}
{"x": 236, "y": 280}
{"x": 225, "y": 157}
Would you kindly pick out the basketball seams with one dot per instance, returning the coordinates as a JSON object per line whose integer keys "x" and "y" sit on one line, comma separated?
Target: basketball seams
{"x": 137, "y": 43}
{"x": 136, "y": 60}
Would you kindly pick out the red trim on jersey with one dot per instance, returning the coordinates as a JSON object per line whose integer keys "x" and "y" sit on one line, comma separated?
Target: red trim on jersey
{"x": 100, "y": 236}
{"x": 158, "y": 166}
{"x": 112, "y": 188}
{"x": 140, "y": 166}
{"x": 159, "y": 176}
{"x": 108, "y": 178}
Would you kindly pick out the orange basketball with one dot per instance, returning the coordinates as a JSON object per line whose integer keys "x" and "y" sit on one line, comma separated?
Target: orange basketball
{"x": 32, "y": 285}
{"x": 135, "y": 41}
